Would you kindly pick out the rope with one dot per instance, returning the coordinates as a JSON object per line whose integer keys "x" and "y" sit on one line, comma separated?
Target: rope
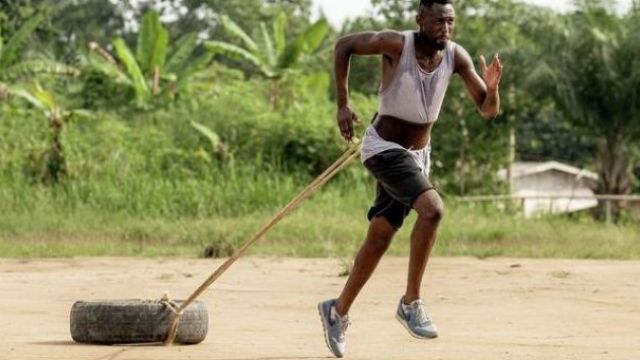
{"x": 344, "y": 160}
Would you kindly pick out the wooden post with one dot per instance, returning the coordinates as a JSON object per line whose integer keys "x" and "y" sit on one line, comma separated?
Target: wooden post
{"x": 607, "y": 207}
{"x": 510, "y": 160}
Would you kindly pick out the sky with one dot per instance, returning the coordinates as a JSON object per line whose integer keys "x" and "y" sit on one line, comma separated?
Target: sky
{"x": 339, "y": 10}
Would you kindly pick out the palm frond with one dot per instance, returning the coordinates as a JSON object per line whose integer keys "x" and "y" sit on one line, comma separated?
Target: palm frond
{"x": 129, "y": 61}
{"x": 153, "y": 40}
{"x": 238, "y": 53}
{"x": 10, "y": 51}
{"x": 44, "y": 96}
{"x": 182, "y": 50}
{"x": 194, "y": 67}
{"x": 111, "y": 70}
{"x": 159, "y": 55}
{"x": 213, "y": 138}
{"x": 27, "y": 96}
{"x": 267, "y": 46}
{"x": 313, "y": 36}
{"x": 279, "y": 34}
{"x": 305, "y": 44}
{"x": 235, "y": 30}
{"x": 33, "y": 67}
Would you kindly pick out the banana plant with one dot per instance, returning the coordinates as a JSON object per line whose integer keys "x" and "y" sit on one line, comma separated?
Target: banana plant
{"x": 152, "y": 71}
{"x": 11, "y": 64}
{"x": 55, "y": 166}
{"x": 269, "y": 52}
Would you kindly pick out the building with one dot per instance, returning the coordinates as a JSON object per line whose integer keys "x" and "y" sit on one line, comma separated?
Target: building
{"x": 571, "y": 189}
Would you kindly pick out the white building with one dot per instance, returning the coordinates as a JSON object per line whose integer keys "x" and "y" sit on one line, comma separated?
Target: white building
{"x": 572, "y": 189}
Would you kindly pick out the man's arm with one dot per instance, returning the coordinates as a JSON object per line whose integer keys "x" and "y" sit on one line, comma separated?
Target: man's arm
{"x": 386, "y": 43}
{"x": 483, "y": 90}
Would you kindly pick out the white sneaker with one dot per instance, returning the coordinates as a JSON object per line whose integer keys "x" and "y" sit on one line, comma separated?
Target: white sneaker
{"x": 335, "y": 327}
{"x": 416, "y": 320}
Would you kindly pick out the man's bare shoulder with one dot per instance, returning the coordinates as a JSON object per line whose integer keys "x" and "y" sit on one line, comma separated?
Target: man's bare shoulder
{"x": 462, "y": 59}
{"x": 386, "y": 42}
{"x": 392, "y": 40}
{"x": 391, "y": 35}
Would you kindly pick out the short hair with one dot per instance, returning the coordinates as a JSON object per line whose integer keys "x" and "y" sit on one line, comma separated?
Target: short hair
{"x": 429, "y": 3}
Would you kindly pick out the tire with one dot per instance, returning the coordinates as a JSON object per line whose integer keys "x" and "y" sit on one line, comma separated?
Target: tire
{"x": 135, "y": 322}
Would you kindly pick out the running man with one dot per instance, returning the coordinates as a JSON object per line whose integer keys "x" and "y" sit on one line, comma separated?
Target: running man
{"x": 417, "y": 67}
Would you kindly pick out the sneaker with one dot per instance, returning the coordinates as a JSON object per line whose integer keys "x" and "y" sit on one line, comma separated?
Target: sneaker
{"x": 415, "y": 318}
{"x": 335, "y": 327}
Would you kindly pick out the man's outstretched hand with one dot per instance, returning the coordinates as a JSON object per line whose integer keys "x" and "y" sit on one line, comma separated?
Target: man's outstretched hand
{"x": 346, "y": 118}
{"x": 491, "y": 74}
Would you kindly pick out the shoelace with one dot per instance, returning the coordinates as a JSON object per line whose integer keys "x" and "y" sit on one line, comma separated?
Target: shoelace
{"x": 343, "y": 323}
{"x": 420, "y": 314}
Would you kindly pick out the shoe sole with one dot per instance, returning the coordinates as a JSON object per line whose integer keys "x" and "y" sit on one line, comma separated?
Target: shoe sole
{"x": 325, "y": 332}
{"x": 404, "y": 323}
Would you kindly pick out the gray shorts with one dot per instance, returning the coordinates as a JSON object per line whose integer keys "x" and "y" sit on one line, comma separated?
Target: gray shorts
{"x": 400, "y": 182}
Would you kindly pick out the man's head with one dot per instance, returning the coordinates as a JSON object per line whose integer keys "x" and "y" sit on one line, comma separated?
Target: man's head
{"x": 436, "y": 19}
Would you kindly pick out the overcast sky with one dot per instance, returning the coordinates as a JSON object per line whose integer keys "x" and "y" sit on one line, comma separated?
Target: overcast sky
{"x": 338, "y": 10}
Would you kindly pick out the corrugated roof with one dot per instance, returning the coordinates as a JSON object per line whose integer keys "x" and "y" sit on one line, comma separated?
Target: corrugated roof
{"x": 521, "y": 169}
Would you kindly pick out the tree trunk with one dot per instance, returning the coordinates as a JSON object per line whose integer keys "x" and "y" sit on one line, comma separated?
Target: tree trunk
{"x": 55, "y": 163}
{"x": 613, "y": 158}
{"x": 155, "y": 88}
{"x": 274, "y": 95}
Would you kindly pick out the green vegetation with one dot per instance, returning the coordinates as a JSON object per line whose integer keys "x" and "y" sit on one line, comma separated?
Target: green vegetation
{"x": 329, "y": 224}
{"x": 192, "y": 141}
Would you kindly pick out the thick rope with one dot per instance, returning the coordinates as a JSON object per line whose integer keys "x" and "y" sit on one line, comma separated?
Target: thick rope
{"x": 351, "y": 153}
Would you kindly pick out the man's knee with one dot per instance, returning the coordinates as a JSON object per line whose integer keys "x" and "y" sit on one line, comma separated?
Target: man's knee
{"x": 380, "y": 235}
{"x": 429, "y": 207}
{"x": 380, "y": 244}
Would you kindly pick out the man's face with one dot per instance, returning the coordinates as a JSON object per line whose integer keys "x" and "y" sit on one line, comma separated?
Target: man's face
{"x": 437, "y": 23}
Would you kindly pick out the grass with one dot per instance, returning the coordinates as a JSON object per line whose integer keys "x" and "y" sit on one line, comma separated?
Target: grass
{"x": 166, "y": 220}
{"x": 150, "y": 185}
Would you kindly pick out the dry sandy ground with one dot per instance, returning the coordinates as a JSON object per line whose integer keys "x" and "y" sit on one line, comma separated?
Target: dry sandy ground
{"x": 266, "y": 308}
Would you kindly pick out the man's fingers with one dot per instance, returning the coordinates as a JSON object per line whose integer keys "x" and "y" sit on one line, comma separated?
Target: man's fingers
{"x": 346, "y": 128}
{"x": 483, "y": 63}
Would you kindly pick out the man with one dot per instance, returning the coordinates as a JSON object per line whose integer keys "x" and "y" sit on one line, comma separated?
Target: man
{"x": 417, "y": 66}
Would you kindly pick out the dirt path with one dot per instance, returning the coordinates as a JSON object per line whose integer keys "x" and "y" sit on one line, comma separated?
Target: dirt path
{"x": 266, "y": 308}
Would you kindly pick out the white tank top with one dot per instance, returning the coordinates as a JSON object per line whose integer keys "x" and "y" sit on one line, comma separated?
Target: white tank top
{"x": 413, "y": 94}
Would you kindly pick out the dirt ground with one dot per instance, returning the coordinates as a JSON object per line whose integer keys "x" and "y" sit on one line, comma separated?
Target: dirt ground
{"x": 266, "y": 308}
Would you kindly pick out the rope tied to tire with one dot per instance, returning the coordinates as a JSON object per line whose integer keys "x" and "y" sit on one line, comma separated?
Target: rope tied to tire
{"x": 351, "y": 153}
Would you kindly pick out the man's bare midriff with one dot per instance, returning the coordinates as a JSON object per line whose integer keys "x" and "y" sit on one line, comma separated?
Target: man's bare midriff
{"x": 408, "y": 135}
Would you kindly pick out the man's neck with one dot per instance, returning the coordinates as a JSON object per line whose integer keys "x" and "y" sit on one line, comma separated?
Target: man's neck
{"x": 425, "y": 46}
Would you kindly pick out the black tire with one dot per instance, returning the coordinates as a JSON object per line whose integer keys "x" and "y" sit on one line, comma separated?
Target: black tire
{"x": 135, "y": 322}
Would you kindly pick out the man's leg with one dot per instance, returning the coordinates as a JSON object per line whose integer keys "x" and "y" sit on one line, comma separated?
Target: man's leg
{"x": 430, "y": 211}
{"x": 333, "y": 313}
{"x": 411, "y": 312}
{"x": 376, "y": 244}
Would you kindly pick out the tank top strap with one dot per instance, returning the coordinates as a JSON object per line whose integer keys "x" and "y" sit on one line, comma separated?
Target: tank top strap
{"x": 408, "y": 56}
{"x": 451, "y": 57}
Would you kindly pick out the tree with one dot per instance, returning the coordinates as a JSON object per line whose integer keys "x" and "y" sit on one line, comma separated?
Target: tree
{"x": 53, "y": 159}
{"x": 269, "y": 52}
{"x": 592, "y": 65}
{"x": 151, "y": 71}
{"x": 203, "y": 16}
{"x": 12, "y": 63}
